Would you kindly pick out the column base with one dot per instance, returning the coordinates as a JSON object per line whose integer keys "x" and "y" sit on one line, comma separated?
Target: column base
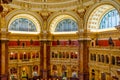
{"x": 84, "y": 76}
{"x": 44, "y": 74}
{"x": 3, "y": 77}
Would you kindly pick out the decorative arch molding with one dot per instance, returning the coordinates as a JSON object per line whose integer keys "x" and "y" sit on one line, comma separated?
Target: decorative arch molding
{"x": 58, "y": 16}
{"x": 112, "y": 4}
{"x": 34, "y": 17}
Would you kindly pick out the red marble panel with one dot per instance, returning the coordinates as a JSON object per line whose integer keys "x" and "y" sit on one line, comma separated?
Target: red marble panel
{"x": 105, "y": 42}
{"x": 27, "y": 43}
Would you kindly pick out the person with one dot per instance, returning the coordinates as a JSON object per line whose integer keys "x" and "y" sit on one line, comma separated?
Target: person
{"x": 55, "y": 73}
{"x": 13, "y": 76}
{"x": 64, "y": 76}
{"x": 74, "y": 74}
{"x": 24, "y": 75}
{"x": 35, "y": 75}
{"x": 27, "y": 77}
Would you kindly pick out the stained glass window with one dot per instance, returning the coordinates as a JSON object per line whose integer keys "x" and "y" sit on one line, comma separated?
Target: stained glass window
{"x": 110, "y": 19}
{"x": 22, "y": 24}
{"x": 66, "y": 25}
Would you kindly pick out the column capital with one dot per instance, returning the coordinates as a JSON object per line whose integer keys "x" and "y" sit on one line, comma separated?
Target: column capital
{"x": 45, "y": 40}
{"x": 84, "y": 39}
{"x": 44, "y": 35}
{"x": 4, "y": 34}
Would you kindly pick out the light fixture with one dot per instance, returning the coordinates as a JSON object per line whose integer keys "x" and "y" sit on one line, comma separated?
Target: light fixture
{"x": 24, "y": 53}
{"x": 11, "y": 53}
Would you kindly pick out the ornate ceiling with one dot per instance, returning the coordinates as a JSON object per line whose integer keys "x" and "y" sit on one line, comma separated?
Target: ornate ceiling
{"x": 50, "y": 5}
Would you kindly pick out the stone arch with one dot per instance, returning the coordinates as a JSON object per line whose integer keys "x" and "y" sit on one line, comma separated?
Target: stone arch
{"x": 34, "y": 15}
{"x": 60, "y": 15}
{"x": 91, "y": 9}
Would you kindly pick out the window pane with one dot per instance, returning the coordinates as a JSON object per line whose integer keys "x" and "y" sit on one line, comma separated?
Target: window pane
{"x": 110, "y": 19}
{"x": 66, "y": 25}
{"x": 22, "y": 24}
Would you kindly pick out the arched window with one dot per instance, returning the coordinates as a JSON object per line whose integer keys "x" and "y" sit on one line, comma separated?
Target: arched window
{"x": 13, "y": 56}
{"x": 13, "y": 70}
{"x": 22, "y": 24}
{"x": 94, "y": 57}
{"x": 118, "y": 60}
{"x": 113, "y": 60}
{"x": 54, "y": 67}
{"x": 99, "y": 60}
{"x": 53, "y": 54}
{"x": 110, "y": 19}
{"x": 103, "y": 76}
{"x": 93, "y": 74}
{"x": 67, "y": 54}
{"x": 64, "y": 68}
{"x": 102, "y": 58}
{"x": 66, "y": 25}
{"x": 91, "y": 56}
{"x": 107, "y": 59}
{"x": 60, "y": 55}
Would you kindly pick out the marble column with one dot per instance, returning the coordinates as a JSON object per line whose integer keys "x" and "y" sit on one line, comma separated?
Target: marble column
{"x": 3, "y": 56}
{"x": 41, "y": 58}
{"x": 83, "y": 59}
{"x": 45, "y": 59}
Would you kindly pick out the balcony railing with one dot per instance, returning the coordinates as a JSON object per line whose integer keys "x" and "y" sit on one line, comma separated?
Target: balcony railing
{"x": 105, "y": 47}
{"x": 53, "y": 78}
